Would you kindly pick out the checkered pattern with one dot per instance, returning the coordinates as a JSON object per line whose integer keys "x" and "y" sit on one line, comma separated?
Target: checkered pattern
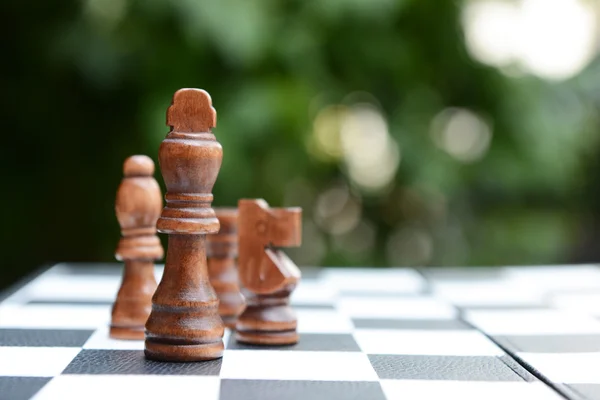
{"x": 364, "y": 334}
{"x": 545, "y": 317}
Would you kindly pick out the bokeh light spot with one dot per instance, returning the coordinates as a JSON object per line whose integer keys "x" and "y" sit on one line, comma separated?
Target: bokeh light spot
{"x": 552, "y": 39}
{"x": 337, "y": 211}
{"x": 461, "y": 133}
{"x": 371, "y": 155}
{"x": 487, "y": 30}
{"x": 326, "y": 133}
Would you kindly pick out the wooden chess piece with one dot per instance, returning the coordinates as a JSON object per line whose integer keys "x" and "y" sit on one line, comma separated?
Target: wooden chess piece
{"x": 137, "y": 206}
{"x": 184, "y": 324}
{"x": 222, "y": 251}
{"x": 267, "y": 275}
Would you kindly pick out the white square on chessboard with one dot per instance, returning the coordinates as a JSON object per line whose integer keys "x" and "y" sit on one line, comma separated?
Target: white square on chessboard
{"x": 323, "y": 321}
{"x": 158, "y": 271}
{"x": 531, "y": 322}
{"x": 566, "y": 367}
{"x": 578, "y": 303}
{"x": 73, "y": 287}
{"x": 373, "y": 280}
{"x": 147, "y": 387}
{"x": 556, "y": 277}
{"x": 421, "y": 307}
{"x": 488, "y": 293}
{"x": 35, "y": 361}
{"x": 52, "y": 316}
{"x": 423, "y": 342}
{"x": 100, "y": 339}
{"x": 475, "y": 390}
{"x": 297, "y": 365}
{"x": 226, "y": 335}
{"x": 311, "y": 292}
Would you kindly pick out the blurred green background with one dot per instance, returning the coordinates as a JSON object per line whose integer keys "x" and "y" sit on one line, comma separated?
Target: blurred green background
{"x": 412, "y": 132}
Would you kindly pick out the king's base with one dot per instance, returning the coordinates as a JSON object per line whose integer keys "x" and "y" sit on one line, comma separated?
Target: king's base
{"x": 267, "y": 338}
{"x": 127, "y": 332}
{"x": 160, "y": 351}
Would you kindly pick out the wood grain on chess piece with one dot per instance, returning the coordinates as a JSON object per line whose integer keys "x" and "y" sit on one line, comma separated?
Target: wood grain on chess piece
{"x": 137, "y": 206}
{"x": 184, "y": 324}
{"x": 267, "y": 275}
{"x": 222, "y": 254}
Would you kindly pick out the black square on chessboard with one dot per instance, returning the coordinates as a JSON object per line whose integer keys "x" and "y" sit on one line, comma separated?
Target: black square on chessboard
{"x": 307, "y": 342}
{"x": 235, "y": 389}
{"x": 310, "y": 273}
{"x": 424, "y": 324}
{"x": 573, "y": 343}
{"x": 322, "y": 306}
{"x": 20, "y": 387}
{"x": 44, "y": 337}
{"x": 371, "y": 293}
{"x": 133, "y": 362}
{"x": 587, "y": 390}
{"x": 460, "y": 368}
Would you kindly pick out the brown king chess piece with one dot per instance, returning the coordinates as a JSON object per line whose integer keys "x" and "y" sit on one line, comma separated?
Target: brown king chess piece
{"x": 137, "y": 206}
{"x": 267, "y": 275}
{"x": 184, "y": 324}
{"x": 222, "y": 251}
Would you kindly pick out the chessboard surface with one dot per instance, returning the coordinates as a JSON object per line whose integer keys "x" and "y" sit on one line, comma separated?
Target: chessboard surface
{"x": 469, "y": 333}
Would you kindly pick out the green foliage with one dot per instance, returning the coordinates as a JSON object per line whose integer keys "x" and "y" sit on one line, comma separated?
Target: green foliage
{"x": 87, "y": 83}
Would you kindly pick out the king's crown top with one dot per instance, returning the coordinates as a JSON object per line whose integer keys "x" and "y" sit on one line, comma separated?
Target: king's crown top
{"x": 191, "y": 111}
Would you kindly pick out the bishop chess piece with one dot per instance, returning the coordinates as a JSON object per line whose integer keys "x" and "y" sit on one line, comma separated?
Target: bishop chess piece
{"x": 267, "y": 275}
{"x": 184, "y": 324}
{"x": 137, "y": 206}
{"x": 222, "y": 254}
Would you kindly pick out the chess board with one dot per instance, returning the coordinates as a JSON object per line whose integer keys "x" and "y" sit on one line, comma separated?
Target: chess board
{"x": 484, "y": 333}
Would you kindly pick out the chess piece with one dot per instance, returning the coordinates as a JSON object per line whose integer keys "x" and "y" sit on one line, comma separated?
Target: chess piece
{"x": 267, "y": 275}
{"x": 222, "y": 251}
{"x": 137, "y": 206}
{"x": 184, "y": 324}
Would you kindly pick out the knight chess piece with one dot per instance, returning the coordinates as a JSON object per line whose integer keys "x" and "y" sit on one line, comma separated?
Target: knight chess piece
{"x": 267, "y": 275}
{"x": 222, "y": 251}
{"x": 138, "y": 204}
{"x": 184, "y": 324}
